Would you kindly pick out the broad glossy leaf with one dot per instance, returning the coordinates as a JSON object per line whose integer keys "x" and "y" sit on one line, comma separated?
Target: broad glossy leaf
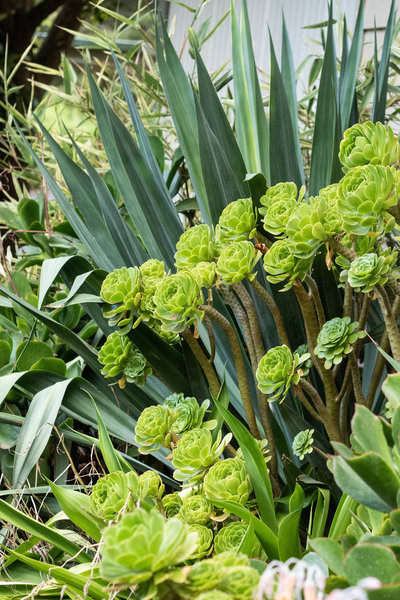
{"x": 370, "y": 560}
{"x": 331, "y": 552}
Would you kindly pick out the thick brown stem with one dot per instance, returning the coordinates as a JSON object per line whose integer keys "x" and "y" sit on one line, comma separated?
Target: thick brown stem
{"x": 317, "y": 299}
{"x": 307, "y": 405}
{"x": 239, "y": 364}
{"x": 315, "y": 397}
{"x": 203, "y": 361}
{"x": 274, "y": 310}
{"x": 348, "y": 300}
{"x": 355, "y": 375}
{"x": 390, "y": 321}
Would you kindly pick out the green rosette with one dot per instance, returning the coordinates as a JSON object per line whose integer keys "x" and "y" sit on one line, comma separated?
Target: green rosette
{"x": 143, "y": 543}
{"x": 151, "y": 485}
{"x": 302, "y": 443}
{"x": 171, "y": 504}
{"x": 304, "y": 231}
{"x": 195, "y": 452}
{"x": 214, "y": 595}
{"x": 327, "y": 220}
{"x": 153, "y": 428}
{"x": 369, "y": 270}
{"x": 122, "y": 292}
{"x": 203, "y": 575}
{"x": 240, "y": 582}
{"x": 204, "y": 540}
{"x": 195, "y": 245}
{"x": 364, "y": 196}
{"x": 231, "y": 536}
{"x": 176, "y": 300}
{"x": 277, "y": 370}
{"x": 196, "y": 509}
{"x": 368, "y": 143}
{"x": 281, "y": 264}
{"x": 119, "y": 356}
{"x": 278, "y": 204}
{"x": 114, "y": 494}
{"x": 238, "y": 222}
{"x": 228, "y": 480}
{"x": 152, "y": 268}
{"x": 189, "y": 414}
{"x": 146, "y": 309}
{"x": 335, "y": 340}
{"x": 237, "y": 261}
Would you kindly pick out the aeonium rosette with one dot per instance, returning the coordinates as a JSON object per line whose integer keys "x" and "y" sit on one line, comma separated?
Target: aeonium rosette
{"x": 369, "y": 270}
{"x": 281, "y": 264}
{"x": 114, "y": 494}
{"x": 153, "y": 428}
{"x": 228, "y": 479}
{"x": 277, "y": 370}
{"x": 176, "y": 300}
{"x": 368, "y": 143}
{"x": 237, "y": 261}
{"x": 122, "y": 291}
{"x": 196, "y": 452}
{"x": 195, "y": 245}
{"x": 278, "y": 204}
{"x": 238, "y": 221}
{"x": 335, "y": 340}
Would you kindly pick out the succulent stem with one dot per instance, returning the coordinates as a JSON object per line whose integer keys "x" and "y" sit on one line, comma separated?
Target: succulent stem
{"x": 355, "y": 375}
{"x": 203, "y": 361}
{"x": 239, "y": 364}
{"x": 310, "y": 281}
{"x": 274, "y": 310}
{"x": 390, "y": 321}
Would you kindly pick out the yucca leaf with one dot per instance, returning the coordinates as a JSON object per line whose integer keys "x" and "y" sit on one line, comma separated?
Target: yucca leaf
{"x": 95, "y": 250}
{"x": 325, "y": 143}
{"x": 25, "y": 523}
{"x": 107, "y": 449}
{"x": 284, "y": 156}
{"x": 251, "y": 121}
{"x": 136, "y": 183}
{"x": 219, "y": 124}
{"x": 181, "y": 104}
{"x": 349, "y": 69}
{"x": 289, "y": 82}
{"x": 381, "y": 72}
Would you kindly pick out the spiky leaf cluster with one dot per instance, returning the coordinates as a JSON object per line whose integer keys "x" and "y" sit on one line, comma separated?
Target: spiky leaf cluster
{"x": 176, "y": 300}
{"x": 282, "y": 265}
{"x": 121, "y": 290}
{"x": 114, "y": 494}
{"x": 196, "y": 452}
{"x": 237, "y": 222}
{"x": 302, "y": 443}
{"x": 369, "y": 270}
{"x": 196, "y": 509}
{"x": 194, "y": 246}
{"x": 141, "y": 544}
{"x": 277, "y": 370}
{"x": 153, "y": 428}
{"x": 237, "y": 261}
{"x": 228, "y": 480}
{"x": 278, "y": 204}
{"x": 368, "y": 143}
{"x": 364, "y": 196}
{"x": 335, "y": 340}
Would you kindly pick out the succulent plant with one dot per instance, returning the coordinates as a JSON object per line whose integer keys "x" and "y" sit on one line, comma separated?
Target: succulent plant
{"x": 195, "y": 245}
{"x": 277, "y": 370}
{"x": 204, "y": 540}
{"x": 304, "y": 231}
{"x": 146, "y": 308}
{"x": 119, "y": 356}
{"x": 151, "y": 484}
{"x": 240, "y": 582}
{"x": 203, "y": 575}
{"x": 302, "y": 443}
{"x": 282, "y": 265}
{"x": 195, "y": 453}
{"x": 307, "y": 364}
{"x": 171, "y": 504}
{"x": 176, "y": 300}
{"x": 228, "y": 480}
{"x": 263, "y": 446}
{"x": 114, "y": 493}
{"x": 231, "y": 536}
{"x": 237, "y": 261}
{"x": 121, "y": 290}
{"x": 153, "y": 428}
{"x": 364, "y": 196}
{"x": 196, "y": 509}
{"x": 237, "y": 222}
{"x": 368, "y": 143}
{"x": 214, "y": 595}
{"x": 152, "y": 268}
{"x": 189, "y": 414}
{"x": 141, "y": 544}
{"x": 279, "y": 202}
{"x": 335, "y": 340}
{"x": 325, "y": 212}
{"x": 231, "y": 558}
{"x": 369, "y": 270}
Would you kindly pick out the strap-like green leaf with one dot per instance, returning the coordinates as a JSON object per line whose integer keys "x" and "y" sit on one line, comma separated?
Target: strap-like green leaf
{"x": 381, "y": 72}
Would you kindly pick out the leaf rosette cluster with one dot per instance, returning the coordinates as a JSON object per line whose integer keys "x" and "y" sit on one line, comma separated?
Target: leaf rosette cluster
{"x": 114, "y": 493}
{"x": 228, "y": 480}
{"x": 237, "y": 222}
{"x": 368, "y": 143}
{"x": 231, "y": 537}
{"x": 176, "y": 300}
{"x": 278, "y": 204}
{"x": 335, "y": 340}
{"x": 196, "y": 509}
{"x": 121, "y": 290}
{"x": 277, "y": 370}
{"x": 196, "y": 452}
{"x": 194, "y": 246}
{"x": 281, "y": 264}
{"x": 369, "y": 270}
{"x": 237, "y": 261}
{"x": 153, "y": 428}
{"x": 302, "y": 443}
{"x": 190, "y": 414}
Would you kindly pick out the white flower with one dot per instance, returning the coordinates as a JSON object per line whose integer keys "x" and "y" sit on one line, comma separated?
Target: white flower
{"x": 293, "y": 580}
